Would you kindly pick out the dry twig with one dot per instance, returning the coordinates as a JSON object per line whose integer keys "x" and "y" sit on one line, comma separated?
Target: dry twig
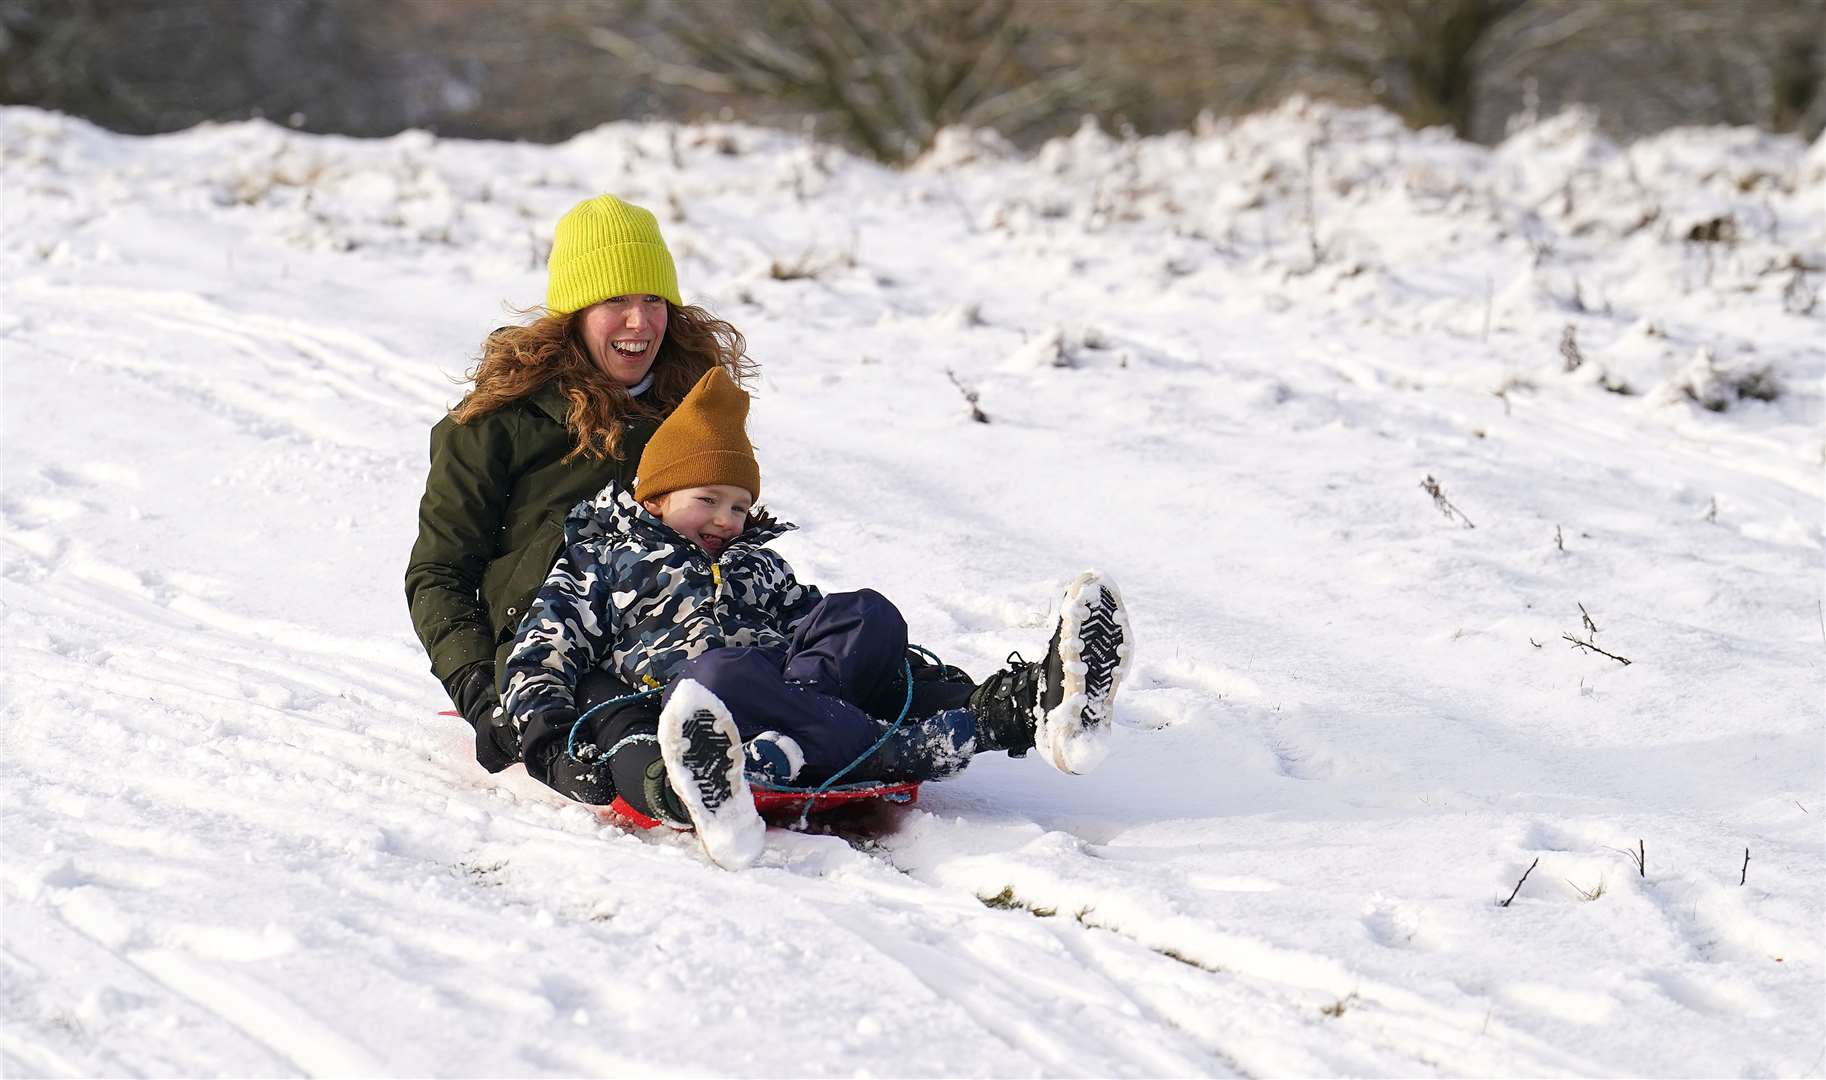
{"x": 1312, "y": 219}
{"x": 970, "y": 396}
{"x": 1569, "y": 349}
{"x": 1518, "y": 885}
{"x": 1431, "y": 487}
{"x": 1577, "y": 644}
{"x": 1639, "y": 857}
{"x": 1745, "y": 876}
{"x": 1586, "y": 615}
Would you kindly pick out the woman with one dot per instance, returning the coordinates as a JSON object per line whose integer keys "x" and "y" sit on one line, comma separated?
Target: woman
{"x": 559, "y": 407}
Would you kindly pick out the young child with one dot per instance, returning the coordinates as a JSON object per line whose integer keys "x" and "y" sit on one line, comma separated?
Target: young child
{"x": 670, "y": 586}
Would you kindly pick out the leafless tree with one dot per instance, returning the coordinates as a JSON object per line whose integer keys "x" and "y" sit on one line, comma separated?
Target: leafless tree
{"x": 886, "y": 77}
{"x": 1648, "y": 64}
{"x": 1471, "y": 64}
{"x": 519, "y": 70}
{"x": 1420, "y": 58}
{"x": 476, "y": 67}
{"x": 144, "y": 65}
{"x": 1158, "y": 64}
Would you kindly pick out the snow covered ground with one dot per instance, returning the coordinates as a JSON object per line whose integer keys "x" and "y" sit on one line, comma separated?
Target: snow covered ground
{"x": 1217, "y": 365}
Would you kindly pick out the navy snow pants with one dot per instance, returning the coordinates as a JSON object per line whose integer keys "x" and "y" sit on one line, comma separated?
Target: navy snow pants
{"x": 835, "y": 688}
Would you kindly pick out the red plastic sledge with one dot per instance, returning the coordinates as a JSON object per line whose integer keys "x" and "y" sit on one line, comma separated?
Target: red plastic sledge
{"x": 784, "y": 805}
{"x": 774, "y": 805}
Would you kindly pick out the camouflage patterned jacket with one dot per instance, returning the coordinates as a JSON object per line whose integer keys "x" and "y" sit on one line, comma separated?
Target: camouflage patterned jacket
{"x": 630, "y": 591}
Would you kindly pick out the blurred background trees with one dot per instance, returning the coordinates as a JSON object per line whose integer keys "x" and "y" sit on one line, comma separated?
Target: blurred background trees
{"x": 884, "y": 75}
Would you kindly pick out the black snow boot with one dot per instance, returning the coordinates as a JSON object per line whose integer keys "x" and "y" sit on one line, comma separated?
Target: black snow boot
{"x": 1019, "y": 707}
{"x": 660, "y": 801}
{"x": 1004, "y": 705}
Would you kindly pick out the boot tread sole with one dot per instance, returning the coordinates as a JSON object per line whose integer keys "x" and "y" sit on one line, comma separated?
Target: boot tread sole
{"x": 1100, "y": 637}
{"x": 706, "y": 757}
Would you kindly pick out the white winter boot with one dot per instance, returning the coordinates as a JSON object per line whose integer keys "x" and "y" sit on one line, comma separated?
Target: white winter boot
{"x": 703, "y": 754}
{"x": 1089, "y": 655}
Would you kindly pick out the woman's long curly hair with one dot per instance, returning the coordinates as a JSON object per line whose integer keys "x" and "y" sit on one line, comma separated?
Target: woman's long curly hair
{"x": 518, "y": 360}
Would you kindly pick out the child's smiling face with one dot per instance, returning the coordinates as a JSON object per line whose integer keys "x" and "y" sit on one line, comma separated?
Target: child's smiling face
{"x": 709, "y": 516}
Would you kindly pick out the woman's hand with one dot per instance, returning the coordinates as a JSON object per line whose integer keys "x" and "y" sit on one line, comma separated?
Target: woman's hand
{"x": 497, "y": 740}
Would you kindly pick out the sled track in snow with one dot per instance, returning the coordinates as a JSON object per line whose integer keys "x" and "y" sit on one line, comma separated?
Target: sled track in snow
{"x": 269, "y": 374}
{"x": 1194, "y": 1001}
{"x": 1246, "y": 1005}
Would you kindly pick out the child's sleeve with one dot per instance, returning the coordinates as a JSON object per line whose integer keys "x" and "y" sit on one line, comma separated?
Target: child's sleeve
{"x": 565, "y": 630}
{"x": 794, "y": 600}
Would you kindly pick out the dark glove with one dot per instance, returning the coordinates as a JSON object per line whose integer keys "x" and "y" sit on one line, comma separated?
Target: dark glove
{"x": 585, "y": 778}
{"x": 497, "y": 740}
{"x": 543, "y": 738}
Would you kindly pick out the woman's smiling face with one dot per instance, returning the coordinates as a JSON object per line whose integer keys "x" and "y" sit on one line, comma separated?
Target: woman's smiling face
{"x": 623, "y": 334}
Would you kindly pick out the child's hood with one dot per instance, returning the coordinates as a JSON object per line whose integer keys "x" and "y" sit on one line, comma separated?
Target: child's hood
{"x": 614, "y": 515}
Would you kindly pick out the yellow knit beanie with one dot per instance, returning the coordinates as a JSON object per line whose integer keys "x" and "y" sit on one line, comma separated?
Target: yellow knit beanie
{"x": 605, "y": 247}
{"x": 703, "y": 442}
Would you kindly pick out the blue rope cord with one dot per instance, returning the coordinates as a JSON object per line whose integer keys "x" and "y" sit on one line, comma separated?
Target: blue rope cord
{"x": 760, "y": 783}
{"x": 906, "y": 706}
{"x": 570, "y": 741}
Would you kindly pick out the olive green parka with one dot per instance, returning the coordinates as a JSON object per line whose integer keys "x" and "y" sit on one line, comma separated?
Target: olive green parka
{"x": 492, "y": 522}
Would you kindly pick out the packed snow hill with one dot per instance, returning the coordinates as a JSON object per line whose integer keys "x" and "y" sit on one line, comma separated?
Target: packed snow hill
{"x": 1467, "y": 504}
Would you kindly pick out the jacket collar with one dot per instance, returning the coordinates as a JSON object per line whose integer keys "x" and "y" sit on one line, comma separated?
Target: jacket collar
{"x": 614, "y": 512}
{"x": 550, "y": 400}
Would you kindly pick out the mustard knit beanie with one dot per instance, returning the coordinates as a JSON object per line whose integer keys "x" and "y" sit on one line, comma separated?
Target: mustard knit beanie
{"x": 605, "y": 247}
{"x": 703, "y": 442}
